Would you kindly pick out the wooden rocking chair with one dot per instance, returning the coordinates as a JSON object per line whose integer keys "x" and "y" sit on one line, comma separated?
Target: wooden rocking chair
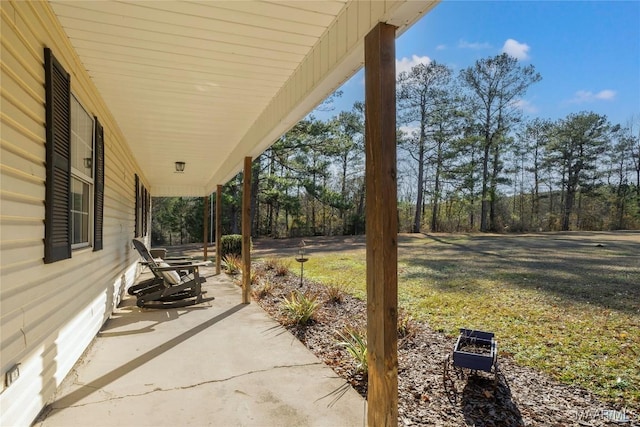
{"x": 168, "y": 288}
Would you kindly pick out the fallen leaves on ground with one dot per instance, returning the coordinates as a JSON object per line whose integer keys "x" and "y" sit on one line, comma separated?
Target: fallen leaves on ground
{"x": 521, "y": 396}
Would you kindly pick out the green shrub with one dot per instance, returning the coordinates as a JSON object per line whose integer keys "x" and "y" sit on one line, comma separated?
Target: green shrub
{"x": 232, "y": 263}
{"x": 282, "y": 268}
{"x": 271, "y": 263}
{"x": 335, "y": 293}
{"x": 406, "y": 326}
{"x": 355, "y": 342}
{"x": 231, "y": 244}
{"x": 300, "y": 308}
{"x": 257, "y": 277}
{"x": 279, "y": 266}
{"x": 264, "y": 290}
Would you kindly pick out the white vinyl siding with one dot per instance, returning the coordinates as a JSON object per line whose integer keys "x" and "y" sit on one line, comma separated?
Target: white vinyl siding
{"x": 49, "y": 313}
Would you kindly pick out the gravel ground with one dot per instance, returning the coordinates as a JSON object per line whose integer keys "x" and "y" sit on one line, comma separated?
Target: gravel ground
{"x": 522, "y": 396}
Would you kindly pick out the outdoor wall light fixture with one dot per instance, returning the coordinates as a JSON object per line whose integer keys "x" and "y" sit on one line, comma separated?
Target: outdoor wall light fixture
{"x": 180, "y": 166}
{"x": 88, "y": 162}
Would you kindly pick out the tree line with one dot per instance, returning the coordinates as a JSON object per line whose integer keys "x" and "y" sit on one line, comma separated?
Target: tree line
{"x": 468, "y": 160}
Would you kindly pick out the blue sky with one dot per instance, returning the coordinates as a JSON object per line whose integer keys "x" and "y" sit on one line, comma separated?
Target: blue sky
{"x": 588, "y": 52}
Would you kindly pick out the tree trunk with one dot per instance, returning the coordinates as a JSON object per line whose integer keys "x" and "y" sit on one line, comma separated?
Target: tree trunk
{"x": 493, "y": 190}
{"x": 568, "y": 206}
{"x": 270, "y": 218}
{"x": 255, "y": 188}
{"x": 417, "y": 221}
{"x": 579, "y": 211}
{"x": 286, "y": 222}
{"x": 536, "y": 196}
{"x": 312, "y": 200}
{"x": 484, "y": 208}
{"x": 638, "y": 185}
{"x": 436, "y": 190}
{"x": 472, "y": 192}
{"x": 360, "y": 211}
{"x": 343, "y": 192}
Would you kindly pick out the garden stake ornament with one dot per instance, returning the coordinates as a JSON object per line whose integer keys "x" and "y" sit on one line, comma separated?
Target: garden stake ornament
{"x": 301, "y": 258}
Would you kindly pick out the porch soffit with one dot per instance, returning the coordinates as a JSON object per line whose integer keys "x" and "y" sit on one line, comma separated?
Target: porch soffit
{"x": 211, "y": 82}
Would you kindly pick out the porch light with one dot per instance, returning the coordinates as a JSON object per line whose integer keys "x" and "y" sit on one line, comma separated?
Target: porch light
{"x": 180, "y": 166}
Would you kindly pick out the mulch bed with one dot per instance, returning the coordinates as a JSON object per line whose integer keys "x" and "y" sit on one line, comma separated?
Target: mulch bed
{"x": 522, "y": 396}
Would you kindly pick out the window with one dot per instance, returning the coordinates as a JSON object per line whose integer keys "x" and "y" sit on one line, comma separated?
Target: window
{"x": 143, "y": 206}
{"x": 75, "y": 169}
{"x": 81, "y": 174}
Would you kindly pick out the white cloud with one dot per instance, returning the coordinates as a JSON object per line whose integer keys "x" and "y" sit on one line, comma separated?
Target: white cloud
{"x": 463, "y": 44}
{"x": 516, "y": 49}
{"x": 584, "y": 96}
{"x": 410, "y": 131}
{"x": 606, "y": 94}
{"x": 441, "y": 47}
{"x": 525, "y": 106}
{"x": 405, "y": 64}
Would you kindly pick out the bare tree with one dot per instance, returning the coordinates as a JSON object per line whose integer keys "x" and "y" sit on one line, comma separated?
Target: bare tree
{"x": 634, "y": 131}
{"x": 348, "y": 149}
{"x": 578, "y": 142}
{"x": 420, "y": 94}
{"x": 535, "y": 138}
{"x": 622, "y": 163}
{"x": 496, "y": 85}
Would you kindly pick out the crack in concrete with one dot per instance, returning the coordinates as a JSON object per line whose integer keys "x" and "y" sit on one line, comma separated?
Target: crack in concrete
{"x": 185, "y": 387}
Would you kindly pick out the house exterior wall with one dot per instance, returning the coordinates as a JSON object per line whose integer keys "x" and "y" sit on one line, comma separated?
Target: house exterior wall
{"x": 49, "y": 313}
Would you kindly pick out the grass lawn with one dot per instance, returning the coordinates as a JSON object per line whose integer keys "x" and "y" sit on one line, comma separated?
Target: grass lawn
{"x": 567, "y": 304}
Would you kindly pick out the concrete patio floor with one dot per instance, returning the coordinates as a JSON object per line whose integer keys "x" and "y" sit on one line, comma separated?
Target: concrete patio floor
{"x": 220, "y": 363}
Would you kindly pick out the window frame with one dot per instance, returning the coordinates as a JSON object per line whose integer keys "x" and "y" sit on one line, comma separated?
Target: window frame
{"x": 142, "y": 208}
{"x": 78, "y": 175}
{"x": 58, "y": 183}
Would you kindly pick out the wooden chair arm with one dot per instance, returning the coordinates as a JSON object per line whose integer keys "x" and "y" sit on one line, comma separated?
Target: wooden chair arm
{"x": 189, "y": 267}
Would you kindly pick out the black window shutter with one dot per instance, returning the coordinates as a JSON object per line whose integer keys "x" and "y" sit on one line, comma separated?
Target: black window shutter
{"x": 137, "y": 224}
{"x": 98, "y": 193}
{"x": 57, "y": 228}
{"x": 147, "y": 210}
{"x": 144, "y": 211}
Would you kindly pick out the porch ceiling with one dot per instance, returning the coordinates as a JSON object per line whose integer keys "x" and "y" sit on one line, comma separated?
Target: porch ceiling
{"x": 211, "y": 82}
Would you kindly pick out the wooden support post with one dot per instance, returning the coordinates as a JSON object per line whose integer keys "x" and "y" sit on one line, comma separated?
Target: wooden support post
{"x": 206, "y": 226}
{"x": 382, "y": 225}
{"x": 246, "y": 231}
{"x": 218, "y": 225}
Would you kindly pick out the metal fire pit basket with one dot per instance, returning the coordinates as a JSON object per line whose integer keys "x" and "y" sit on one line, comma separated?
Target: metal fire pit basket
{"x": 475, "y": 350}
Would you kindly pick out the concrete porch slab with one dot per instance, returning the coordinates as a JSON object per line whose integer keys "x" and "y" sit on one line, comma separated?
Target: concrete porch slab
{"x": 220, "y": 363}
